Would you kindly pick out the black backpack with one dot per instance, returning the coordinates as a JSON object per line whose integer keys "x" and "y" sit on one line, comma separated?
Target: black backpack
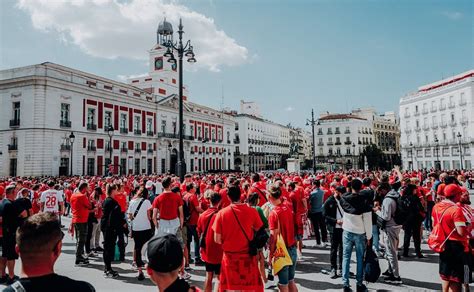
{"x": 404, "y": 210}
{"x": 371, "y": 266}
{"x": 186, "y": 211}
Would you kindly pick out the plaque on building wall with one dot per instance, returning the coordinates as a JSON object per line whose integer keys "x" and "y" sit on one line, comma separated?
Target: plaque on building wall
{"x": 158, "y": 63}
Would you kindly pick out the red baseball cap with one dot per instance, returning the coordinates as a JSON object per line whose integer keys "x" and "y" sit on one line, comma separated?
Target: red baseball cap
{"x": 452, "y": 190}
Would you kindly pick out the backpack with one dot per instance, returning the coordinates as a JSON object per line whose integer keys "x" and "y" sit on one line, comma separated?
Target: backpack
{"x": 437, "y": 238}
{"x": 404, "y": 210}
{"x": 186, "y": 211}
{"x": 371, "y": 266}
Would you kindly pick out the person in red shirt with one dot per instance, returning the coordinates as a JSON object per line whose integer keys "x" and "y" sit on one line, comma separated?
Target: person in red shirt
{"x": 168, "y": 208}
{"x": 93, "y": 236}
{"x": 300, "y": 210}
{"x": 281, "y": 221}
{"x": 121, "y": 198}
{"x": 35, "y": 200}
{"x": 211, "y": 252}
{"x": 258, "y": 187}
{"x": 67, "y": 200}
{"x": 234, "y": 227}
{"x": 453, "y": 224}
{"x": 190, "y": 198}
{"x": 80, "y": 207}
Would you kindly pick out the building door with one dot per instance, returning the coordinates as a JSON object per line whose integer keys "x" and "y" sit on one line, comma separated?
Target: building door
{"x": 149, "y": 166}
{"x": 173, "y": 161}
{"x": 13, "y": 166}
{"x": 163, "y": 165}
{"x": 90, "y": 166}
{"x": 191, "y": 165}
{"x": 123, "y": 166}
{"x": 64, "y": 166}
{"x": 137, "y": 166}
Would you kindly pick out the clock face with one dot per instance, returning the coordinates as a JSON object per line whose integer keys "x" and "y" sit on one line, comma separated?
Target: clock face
{"x": 158, "y": 63}
{"x": 173, "y": 67}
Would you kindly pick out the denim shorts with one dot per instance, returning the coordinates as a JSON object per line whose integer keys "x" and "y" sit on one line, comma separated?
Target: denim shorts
{"x": 287, "y": 274}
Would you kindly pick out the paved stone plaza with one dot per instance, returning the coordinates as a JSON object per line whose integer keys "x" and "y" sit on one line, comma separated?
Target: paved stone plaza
{"x": 417, "y": 275}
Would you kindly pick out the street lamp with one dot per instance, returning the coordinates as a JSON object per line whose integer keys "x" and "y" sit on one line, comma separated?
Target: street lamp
{"x": 250, "y": 161}
{"x": 312, "y": 122}
{"x": 437, "y": 164}
{"x": 411, "y": 155}
{"x": 110, "y": 132}
{"x": 71, "y": 140}
{"x": 165, "y": 30}
{"x": 460, "y": 148}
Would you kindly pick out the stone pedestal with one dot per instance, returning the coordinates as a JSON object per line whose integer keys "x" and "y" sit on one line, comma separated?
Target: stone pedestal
{"x": 293, "y": 165}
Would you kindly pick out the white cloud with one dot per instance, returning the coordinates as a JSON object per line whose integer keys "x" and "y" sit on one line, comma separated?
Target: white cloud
{"x": 289, "y": 109}
{"x": 112, "y": 29}
{"x": 453, "y": 15}
{"x": 132, "y": 76}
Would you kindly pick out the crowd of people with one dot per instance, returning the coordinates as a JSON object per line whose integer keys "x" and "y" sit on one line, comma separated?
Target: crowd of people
{"x": 244, "y": 228}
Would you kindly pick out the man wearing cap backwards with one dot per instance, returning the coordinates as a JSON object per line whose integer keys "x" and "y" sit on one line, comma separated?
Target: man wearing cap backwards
{"x": 165, "y": 259}
{"x": 453, "y": 223}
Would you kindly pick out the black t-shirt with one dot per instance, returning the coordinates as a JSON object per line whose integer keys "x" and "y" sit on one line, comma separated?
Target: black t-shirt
{"x": 180, "y": 285}
{"x": 112, "y": 217}
{"x": 52, "y": 283}
{"x": 10, "y": 220}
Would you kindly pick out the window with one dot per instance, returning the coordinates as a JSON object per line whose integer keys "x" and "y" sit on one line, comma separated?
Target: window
{"x": 65, "y": 112}
{"x": 191, "y": 130}
{"x": 123, "y": 121}
{"x": 136, "y": 125}
{"x": 199, "y": 132}
{"x": 107, "y": 119}
{"x": 338, "y": 151}
{"x": 91, "y": 116}
{"x": 228, "y": 136}
{"x": 173, "y": 126}
{"x": 416, "y": 109}
{"x": 124, "y": 145}
{"x": 206, "y": 132}
{"x": 16, "y": 111}
{"x": 163, "y": 126}
{"x": 90, "y": 166}
{"x": 452, "y": 117}
{"x": 348, "y": 151}
{"x": 213, "y": 133}
{"x": 149, "y": 125}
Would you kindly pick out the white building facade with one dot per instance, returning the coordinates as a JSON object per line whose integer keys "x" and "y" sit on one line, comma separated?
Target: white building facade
{"x": 437, "y": 124}
{"x": 262, "y": 144}
{"x": 42, "y": 105}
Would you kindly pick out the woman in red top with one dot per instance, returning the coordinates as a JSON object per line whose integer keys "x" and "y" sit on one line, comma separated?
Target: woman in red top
{"x": 96, "y": 201}
{"x": 239, "y": 270}
{"x": 211, "y": 253}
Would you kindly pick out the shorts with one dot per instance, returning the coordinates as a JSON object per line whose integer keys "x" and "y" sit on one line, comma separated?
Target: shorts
{"x": 214, "y": 268}
{"x": 8, "y": 248}
{"x": 452, "y": 261}
{"x": 287, "y": 274}
{"x": 170, "y": 227}
{"x": 184, "y": 234}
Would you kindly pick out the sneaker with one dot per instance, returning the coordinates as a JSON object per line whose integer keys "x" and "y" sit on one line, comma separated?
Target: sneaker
{"x": 187, "y": 268}
{"x": 393, "y": 280}
{"x": 141, "y": 277}
{"x": 333, "y": 274}
{"x": 82, "y": 261}
{"x": 185, "y": 276}
{"x": 11, "y": 280}
{"x": 347, "y": 289}
{"x": 339, "y": 273}
{"x": 134, "y": 265}
{"x": 91, "y": 254}
{"x": 198, "y": 262}
{"x": 361, "y": 288}
{"x": 99, "y": 249}
{"x": 270, "y": 285}
{"x": 3, "y": 279}
{"x": 111, "y": 274}
{"x": 387, "y": 273}
{"x": 191, "y": 261}
{"x": 421, "y": 256}
{"x": 379, "y": 254}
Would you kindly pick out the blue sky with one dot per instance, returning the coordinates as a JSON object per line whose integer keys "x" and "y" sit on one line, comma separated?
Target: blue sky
{"x": 289, "y": 56}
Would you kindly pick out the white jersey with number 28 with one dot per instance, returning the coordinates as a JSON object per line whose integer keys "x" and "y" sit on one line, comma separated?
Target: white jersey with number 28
{"x": 51, "y": 199}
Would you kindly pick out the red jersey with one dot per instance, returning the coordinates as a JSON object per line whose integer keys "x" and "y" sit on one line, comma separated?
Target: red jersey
{"x": 193, "y": 204}
{"x": 212, "y": 254}
{"x": 233, "y": 238}
{"x": 121, "y": 199}
{"x": 282, "y": 217}
{"x": 35, "y": 203}
{"x": 67, "y": 195}
{"x": 167, "y": 204}
{"x": 225, "y": 201}
{"x": 453, "y": 217}
{"x": 259, "y": 188}
{"x": 80, "y": 206}
{"x": 297, "y": 198}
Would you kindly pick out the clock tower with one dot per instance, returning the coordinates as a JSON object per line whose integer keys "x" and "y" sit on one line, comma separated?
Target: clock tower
{"x": 162, "y": 78}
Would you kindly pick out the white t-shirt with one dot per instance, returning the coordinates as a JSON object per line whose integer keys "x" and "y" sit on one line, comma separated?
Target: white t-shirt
{"x": 51, "y": 199}
{"x": 141, "y": 221}
{"x": 158, "y": 188}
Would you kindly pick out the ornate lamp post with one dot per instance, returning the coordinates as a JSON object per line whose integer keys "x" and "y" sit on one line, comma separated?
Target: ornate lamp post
{"x": 71, "y": 140}
{"x": 460, "y": 148}
{"x": 165, "y": 30}
{"x": 313, "y": 122}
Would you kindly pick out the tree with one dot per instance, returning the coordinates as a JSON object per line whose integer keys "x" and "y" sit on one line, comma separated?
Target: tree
{"x": 374, "y": 156}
